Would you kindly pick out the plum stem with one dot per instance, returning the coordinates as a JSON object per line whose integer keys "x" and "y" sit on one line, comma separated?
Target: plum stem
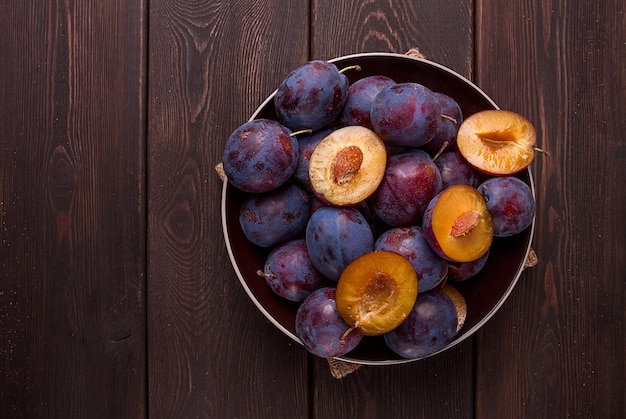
{"x": 302, "y": 131}
{"x": 264, "y": 275}
{"x": 449, "y": 118}
{"x": 441, "y": 150}
{"x": 351, "y": 67}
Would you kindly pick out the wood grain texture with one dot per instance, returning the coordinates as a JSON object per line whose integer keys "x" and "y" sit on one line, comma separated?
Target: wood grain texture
{"x": 212, "y": 353}
{"x": 442, "y": 30}
{"x": 558, "y": 345}
{"x": 72, "y": 241}
{"x": 441, "y": 386}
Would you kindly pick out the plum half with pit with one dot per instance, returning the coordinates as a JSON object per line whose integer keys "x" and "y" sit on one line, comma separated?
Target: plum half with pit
{"x": 376, "y": 292}
{"x": 406, "y": 114}
{"x": 511, "y": 203}
{"x": 347, "y": 166}
{"x": 410, "y": 182}
{"x": 311, "y": 96}
{"x": 458, "y": 225}
{"x": 260, "y": 155}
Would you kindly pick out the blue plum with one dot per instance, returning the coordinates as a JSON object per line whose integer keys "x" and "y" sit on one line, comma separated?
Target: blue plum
{"x": 455, "y": 170}
{"x": 411, "y": 180}
{"x": 451, "y": 119}
{"x": 511, "y": 203}
{"x": 462, "y": 271}
{"x": 320, "y": 327}
{"x": 410, "y": 243}
{"x": 406, "y": 114}
{"x": 335, "y": 237}
{"x": 361, "y": 94}
{"x": 275, "y": 217}
{"x": 431, "y": 325}
{"x": 260, "y": 155}
{"x": 311, "y": 96}
{"x": 289, "y": 272}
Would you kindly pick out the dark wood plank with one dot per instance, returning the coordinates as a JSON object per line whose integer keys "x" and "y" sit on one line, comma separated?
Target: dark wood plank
{"x": 441, "y": 386}
{"x": 72, "y": 232}
{"x": 212, "y": 353}
{"x": 557, "y": 348}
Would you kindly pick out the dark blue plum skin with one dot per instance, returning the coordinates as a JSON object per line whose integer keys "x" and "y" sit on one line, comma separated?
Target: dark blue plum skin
{"x": 275, "y": 217}
{"x": 411, "y": 180}
{"x": 306, "y": 146}
{"x": 511, "y": 204}
{"x": 462, "y": 271}
{"x": 361, "y": 94}
{"x": 260, "y": 155}
{"x": 410, "y": 243}
{"x": 321, "y": 328}
{"x": 335, "y": 237}
{"x": 311, "y": 96}
{"x": 289, "y": 272}
{"x": 406, "y": 114}
{"x": 448, "y": 129}
{"x": 455, "y": 170}
{"x": 429, "y": 327}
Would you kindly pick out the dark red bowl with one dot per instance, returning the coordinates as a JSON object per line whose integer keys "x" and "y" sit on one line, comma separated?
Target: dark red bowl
{"x": 484, "y": 293}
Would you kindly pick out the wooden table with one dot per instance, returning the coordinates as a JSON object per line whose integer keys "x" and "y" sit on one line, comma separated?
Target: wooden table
{"x": 117, "y": 298}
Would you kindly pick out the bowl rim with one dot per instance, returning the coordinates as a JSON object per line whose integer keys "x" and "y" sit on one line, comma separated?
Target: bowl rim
{"x": 465, "y": 333}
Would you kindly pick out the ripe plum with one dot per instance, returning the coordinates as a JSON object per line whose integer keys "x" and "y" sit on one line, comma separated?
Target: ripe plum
{"x": 451, "y": 119}
{"x": 462, "y": 271}
{"x": 275, "y": 217}
{"x": 411, "y": 180}
{"x": 260, "y": 155}
{"x": 511, "y": 204}
{"x": 455, "y": 170}
{"x": 361, "y": 94}
{"x": 431, "y": 325}
{"x": 321, "y": 328}
{"x": 410, "y": 243}
{"x": 311, "y": 96}
{"x": 289, "y": 272}
{"x": 335, "y": 237}
{"x": 406, "y": 114}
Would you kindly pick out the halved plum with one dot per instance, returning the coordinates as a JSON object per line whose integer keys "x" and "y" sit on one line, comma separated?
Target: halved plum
{"x": 347, "y": 166}
{"x": 376, "y": 292}
{"x": 497, "y": 142}
{"x": 458, "y": 225}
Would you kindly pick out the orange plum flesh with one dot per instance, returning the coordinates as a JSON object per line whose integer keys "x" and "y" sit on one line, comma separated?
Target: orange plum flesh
{"x": 347, "y": 166}
{"x": 497, "y": 142}
{"x": 376, "y": 292}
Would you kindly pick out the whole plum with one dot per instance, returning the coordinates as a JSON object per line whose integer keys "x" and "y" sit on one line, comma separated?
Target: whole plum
{"x": 411, "y": 180}
{"x": 289, "y": 272}
{"x": 406, "y": 114}
{"x": 361, "y": 94}
{"x": 455, "y": 170}
{"x": 462, "y": 271}
{"x": 320, "y": 327}
{"x": 511, "y": 203}
{"x": 306, "y": 145}
{"x": 410, "y": 242}
{"x": 431, "y": 325}
{"x": 335, "y": 237}
{"x": 451, "y": 119}
{"x": 275, "y": 217}
{"x": 311, "y": 96}
{"x": 260, "y": 155}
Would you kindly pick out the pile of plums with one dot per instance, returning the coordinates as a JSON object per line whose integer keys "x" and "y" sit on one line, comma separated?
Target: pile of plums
{"x": 374, "y": 199}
